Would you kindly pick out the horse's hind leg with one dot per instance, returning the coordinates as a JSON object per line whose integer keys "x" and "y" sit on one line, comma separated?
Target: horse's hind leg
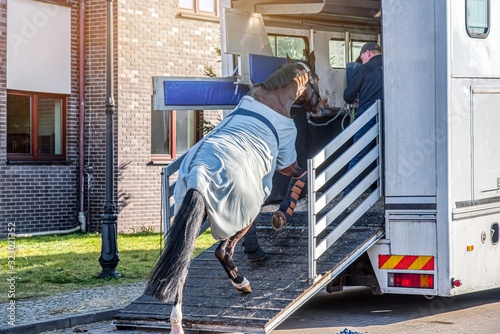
{"x": 176, "y": 314}
{"x": 224, "y": 254}
{"x": 176, "y": 318}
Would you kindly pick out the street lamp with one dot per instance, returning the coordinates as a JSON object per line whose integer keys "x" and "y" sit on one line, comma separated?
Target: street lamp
{"x": 109, "y": 252}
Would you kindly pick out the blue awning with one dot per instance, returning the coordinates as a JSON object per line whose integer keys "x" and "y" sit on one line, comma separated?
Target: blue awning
{"x": 202, "y": 93}
{"x": 207, "y": 93}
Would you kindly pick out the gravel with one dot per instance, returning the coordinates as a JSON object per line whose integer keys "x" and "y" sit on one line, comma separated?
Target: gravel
{"x": 70, "y": 303}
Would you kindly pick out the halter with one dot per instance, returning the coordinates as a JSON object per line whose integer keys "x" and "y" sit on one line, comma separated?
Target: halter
{"x": 311, "y": 82}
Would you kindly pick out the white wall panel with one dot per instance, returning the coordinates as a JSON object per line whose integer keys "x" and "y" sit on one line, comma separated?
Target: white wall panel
{"x": 38, "y": 47}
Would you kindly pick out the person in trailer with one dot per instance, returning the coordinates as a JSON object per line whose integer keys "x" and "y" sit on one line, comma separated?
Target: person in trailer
{"x": 364, "y": 88}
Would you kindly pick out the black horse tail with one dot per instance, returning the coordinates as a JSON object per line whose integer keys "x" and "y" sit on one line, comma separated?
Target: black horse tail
{"x": 170, "y": 271}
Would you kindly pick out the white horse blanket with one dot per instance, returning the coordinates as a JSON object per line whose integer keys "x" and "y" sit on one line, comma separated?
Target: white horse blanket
{"x": 233, "y": 166}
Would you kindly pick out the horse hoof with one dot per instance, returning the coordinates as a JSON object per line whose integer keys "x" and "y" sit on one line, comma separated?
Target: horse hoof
{"x": 176, "y": 329}
{"x": 247, "y": 289}
{"x": 278, "y": 221}
{"x": 244, "y": 286}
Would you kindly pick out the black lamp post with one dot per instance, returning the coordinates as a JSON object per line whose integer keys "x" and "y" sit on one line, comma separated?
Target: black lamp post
{"x": 109, "y": 252}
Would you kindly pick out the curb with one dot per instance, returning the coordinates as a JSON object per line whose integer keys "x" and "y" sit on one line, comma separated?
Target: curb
{"x": 61, "y": 322}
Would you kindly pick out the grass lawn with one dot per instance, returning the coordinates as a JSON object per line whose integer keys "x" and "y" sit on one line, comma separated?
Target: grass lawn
{"x": 51, "y": 264}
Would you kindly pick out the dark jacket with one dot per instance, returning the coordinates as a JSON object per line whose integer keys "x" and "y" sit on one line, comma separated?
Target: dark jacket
{"x": 367, "y": 81}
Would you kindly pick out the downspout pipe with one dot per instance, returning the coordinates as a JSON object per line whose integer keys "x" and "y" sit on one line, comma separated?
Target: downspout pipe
{"x": 81, "y": 96}
{"x": 36, "y": 234}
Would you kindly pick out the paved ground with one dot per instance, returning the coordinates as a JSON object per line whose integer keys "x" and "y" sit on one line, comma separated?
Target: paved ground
{"x": 355, "y": 310}
{"x": 359, "y": 311}
{"x": 71, "y": 303}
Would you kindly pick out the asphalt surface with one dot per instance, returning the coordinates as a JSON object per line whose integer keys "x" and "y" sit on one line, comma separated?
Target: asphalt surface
{"x": 358, "y": 311}
{"x": 352, "y": 311}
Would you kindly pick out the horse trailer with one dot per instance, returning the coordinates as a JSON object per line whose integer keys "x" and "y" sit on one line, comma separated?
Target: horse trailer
{"x": 439, "y": 173}
{"x": 425, "y": 218}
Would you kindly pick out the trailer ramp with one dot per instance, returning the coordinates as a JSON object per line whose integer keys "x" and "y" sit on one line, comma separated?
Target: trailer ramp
{"x": 280, "y": 283}
{"x": 303, "y": 258}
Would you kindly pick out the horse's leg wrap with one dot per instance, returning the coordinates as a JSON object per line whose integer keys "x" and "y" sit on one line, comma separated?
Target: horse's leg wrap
{"x": 243, "y": 286}
{"x": 284, "y": 214}
{"x": 224, "y": 254}
{"x": 176, "y": 319}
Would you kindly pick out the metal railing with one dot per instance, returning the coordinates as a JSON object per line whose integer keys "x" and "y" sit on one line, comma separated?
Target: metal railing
{"x": 317, "y": 202}
{"x": 167, "y": 191}
{"x": 168, "y": 184}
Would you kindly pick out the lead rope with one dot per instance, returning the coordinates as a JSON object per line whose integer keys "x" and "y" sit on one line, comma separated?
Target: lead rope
{"x": 343, "y": 111}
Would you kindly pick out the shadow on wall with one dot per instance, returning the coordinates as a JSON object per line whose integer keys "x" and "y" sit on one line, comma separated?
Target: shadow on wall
{"x": 96, "y": 199}
{"x": 124, "y": 197}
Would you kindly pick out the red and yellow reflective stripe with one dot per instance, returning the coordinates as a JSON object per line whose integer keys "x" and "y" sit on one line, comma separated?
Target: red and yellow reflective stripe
{"x": 409, "y": 262}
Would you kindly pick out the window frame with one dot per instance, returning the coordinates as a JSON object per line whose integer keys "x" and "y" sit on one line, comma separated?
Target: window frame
{"x": 172, "y": 131}
{"x": 360, "y": 42}
{"x": 57, "y": 2}
{"x": 474, "y": 34}
{"x": 305, "y": 39}
{"x": 346, "y": 56}
{"x": 351, "y": 56}
{"x": 34, "y": 142}
{"x": 196, "y": 11}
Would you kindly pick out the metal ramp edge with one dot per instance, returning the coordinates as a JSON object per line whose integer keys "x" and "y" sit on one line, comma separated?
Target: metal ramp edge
{"x": 322, "y": 281}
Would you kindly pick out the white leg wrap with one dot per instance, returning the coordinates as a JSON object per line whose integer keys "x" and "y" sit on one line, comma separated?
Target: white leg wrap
{"x": 176, "y": 320}
{"x": 242, "y": 285}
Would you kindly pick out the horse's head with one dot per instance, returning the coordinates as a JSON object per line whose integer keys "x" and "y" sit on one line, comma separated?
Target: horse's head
{"x": 293, "y": 82}
{"x": 308, "y": 90}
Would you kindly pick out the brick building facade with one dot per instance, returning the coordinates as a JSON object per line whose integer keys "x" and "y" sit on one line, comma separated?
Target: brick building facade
{"x": 150, "y": 39}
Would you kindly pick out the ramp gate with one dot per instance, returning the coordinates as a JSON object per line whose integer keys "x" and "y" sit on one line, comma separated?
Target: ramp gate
{"x": 318, "y": 201}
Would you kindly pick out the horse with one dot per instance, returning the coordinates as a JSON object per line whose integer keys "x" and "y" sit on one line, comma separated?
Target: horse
{"x": 227, "y": 176}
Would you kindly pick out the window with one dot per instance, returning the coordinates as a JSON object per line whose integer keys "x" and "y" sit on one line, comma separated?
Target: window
{"x": 203, "y": 7}
{"x": 58, "y": 2}
{"x": 169, "y": 142}
{"x": 337, "y": 55}
{"x": 337, "y": 52}
{"x": 478, "y": 18}
{"x": 36, "y": 126}
{"x": 356, "y": 49}
{"x": 295, "y": 47}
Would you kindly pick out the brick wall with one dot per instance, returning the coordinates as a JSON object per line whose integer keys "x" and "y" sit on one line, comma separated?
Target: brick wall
{"x": 95, "y": 109}
{"x": 3, "y": 110}
{"x": 3, "y": 90}
{"x": 39, "y": 198}
{"x": 149, "y": 41}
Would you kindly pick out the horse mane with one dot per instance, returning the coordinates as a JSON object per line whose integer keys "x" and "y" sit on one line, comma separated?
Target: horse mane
{"x": 283, "y": 76}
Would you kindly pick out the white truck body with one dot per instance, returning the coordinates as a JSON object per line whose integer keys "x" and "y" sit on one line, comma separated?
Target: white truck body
{"x": 423, "y": 220}
{"x": 440, "y": 170}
